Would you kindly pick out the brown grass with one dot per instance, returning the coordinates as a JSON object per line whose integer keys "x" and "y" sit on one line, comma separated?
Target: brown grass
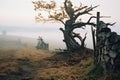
{"x": 41, "y": 65}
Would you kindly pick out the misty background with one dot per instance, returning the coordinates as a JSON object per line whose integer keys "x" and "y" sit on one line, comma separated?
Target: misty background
{"x": 17, "y": 18}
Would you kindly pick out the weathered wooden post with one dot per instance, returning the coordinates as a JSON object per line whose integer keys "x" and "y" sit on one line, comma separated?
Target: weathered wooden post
{"x": 97, "y": 40}
{"x": 94, "y": 44}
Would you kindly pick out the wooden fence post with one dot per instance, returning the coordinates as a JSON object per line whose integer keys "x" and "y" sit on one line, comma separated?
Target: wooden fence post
{"x": 97, "y": 40}
{"x": 93, "y": 37}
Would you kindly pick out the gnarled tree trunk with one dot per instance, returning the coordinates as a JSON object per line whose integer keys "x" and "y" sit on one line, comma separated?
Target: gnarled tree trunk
{"x": 71, "y": 24}
{"x": 69, "y": 40}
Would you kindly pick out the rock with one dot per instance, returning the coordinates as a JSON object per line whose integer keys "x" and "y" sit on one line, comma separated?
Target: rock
{"x": 105, "y": 51}
{"x": 112, "y": 54}
{"x": 112, "y": 61}
{"x": 108, "y": 47}
{"x": 106, "y": 58}
{"x": 102, "y": 25}
{"x": 105, "y": 30}
{"x": 119, "y": 51}
{"x": 111, "y": 34}
{"x": 116, "y": 47}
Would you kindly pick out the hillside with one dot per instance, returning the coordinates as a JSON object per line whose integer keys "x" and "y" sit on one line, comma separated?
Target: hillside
{"x": 26, "y": 63}
{"x": 19, "y": 63}
{"x": 15, "y": 41}
{"x": 20, "y": 60}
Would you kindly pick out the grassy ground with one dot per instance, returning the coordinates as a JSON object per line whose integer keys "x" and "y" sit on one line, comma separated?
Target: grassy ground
{"x": 27, "y": 63}
{"x": 24, "y": 63}
{"x": 21, "y": 61}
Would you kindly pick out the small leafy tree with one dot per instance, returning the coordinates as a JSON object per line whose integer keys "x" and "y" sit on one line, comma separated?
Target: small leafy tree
{"x": 69, "y": 15}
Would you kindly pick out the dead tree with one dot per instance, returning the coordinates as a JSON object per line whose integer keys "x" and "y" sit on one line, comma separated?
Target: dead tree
{"x": 41, "y": 44}
{"x": 70, "y": 17}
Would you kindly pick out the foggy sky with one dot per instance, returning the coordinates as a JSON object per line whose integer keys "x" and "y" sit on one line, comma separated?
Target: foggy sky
{"x": 20, "y": 13}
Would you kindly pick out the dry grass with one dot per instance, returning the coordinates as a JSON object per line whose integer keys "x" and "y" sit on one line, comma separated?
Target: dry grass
{"x": 79, "y": 71}
{"x": 14, "y": 60}
{"x": 66, "y": 67}
{"x": 8, "y": 68}
{"x": 35, "y": 64}
{"x": 62, "y": 73}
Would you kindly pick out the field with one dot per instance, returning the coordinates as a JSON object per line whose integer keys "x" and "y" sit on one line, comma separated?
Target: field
{"x": 20, "y": 61}
{"x": 25, "y": 63}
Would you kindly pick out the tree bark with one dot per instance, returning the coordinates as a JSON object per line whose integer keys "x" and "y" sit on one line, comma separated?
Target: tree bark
{"x": 71, "y": 43}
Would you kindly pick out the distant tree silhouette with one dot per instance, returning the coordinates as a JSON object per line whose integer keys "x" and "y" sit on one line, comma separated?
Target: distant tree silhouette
{"x": 69, "y": 15}
{"x": 41, "y": 44}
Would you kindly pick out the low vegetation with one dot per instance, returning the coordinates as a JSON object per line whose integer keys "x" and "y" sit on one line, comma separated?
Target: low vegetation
{"x": 20, "y": 62}
{"x": 26, "y": 63}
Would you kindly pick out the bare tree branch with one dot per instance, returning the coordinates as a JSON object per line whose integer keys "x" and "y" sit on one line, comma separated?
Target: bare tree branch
{"x": 91, "y": 18}
{"x": 110, "y": 24}
{"x": 62, "y": 30}
{"x": 81, "y": 24}
{"x": 81, "y": 8}
{"x": 86, "y": 11}
{"x": 61, "y": 21}
{"x": 83, "y": 40}
{"x": 77, "y": 35}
